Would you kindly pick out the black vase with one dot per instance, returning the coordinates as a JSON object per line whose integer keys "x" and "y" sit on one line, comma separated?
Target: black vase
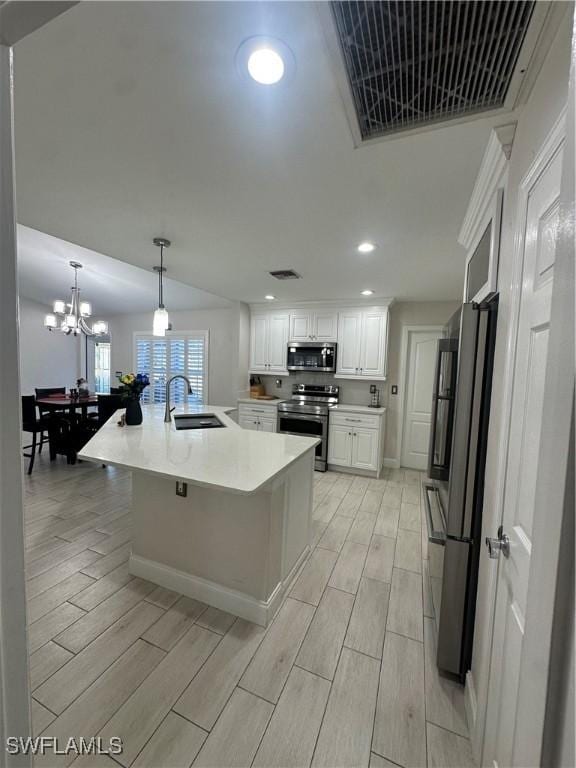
{"x": 133, "y": 413}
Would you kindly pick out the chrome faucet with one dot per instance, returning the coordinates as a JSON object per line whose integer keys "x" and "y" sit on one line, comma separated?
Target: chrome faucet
{"x": 168, "y": 411}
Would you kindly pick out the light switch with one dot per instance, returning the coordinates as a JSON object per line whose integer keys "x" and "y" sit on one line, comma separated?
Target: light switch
{"x": 181, "y": 488}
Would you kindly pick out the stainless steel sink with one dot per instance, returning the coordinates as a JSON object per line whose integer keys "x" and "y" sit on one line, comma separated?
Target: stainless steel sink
{"x": 197, "y": 421}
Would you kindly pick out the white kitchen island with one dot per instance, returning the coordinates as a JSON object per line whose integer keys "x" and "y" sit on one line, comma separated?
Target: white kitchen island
{"x": 239, "y": 535}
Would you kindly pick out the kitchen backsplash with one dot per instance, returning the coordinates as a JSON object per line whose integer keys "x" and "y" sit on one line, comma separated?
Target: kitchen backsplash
{"x": 351, "y": 392}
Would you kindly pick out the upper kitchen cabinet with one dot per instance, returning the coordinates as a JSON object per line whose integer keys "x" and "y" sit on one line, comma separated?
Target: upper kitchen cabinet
{"x": 309, "y": 325}
{"x": 268, "y": 342}
{"x": 362, "y": 344}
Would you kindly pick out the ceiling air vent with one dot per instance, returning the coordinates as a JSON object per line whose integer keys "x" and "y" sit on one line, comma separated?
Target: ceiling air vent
{"x": 285, "y": 274}
{"x": 414, "y": 63}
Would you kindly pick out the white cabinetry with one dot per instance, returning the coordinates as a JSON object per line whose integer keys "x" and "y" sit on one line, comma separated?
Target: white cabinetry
{"x": 362, "y": 342}
{"x": 268, "y": 342}
{"x": 356, "y": 440}
{"x": 308, "y": 325}
{"x": 261, "y": 418}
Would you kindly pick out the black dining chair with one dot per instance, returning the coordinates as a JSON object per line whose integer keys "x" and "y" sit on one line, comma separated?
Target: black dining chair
{"x": 36, "y": 426}
{"x": 45, "y": 412}
{"x": 107, "y": 405}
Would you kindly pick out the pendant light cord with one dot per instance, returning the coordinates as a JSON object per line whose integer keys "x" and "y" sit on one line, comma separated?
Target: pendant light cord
{"x": 160, "y": 292}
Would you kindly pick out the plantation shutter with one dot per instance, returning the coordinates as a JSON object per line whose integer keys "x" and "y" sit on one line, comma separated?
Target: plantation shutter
{"x": 176, "y": 353}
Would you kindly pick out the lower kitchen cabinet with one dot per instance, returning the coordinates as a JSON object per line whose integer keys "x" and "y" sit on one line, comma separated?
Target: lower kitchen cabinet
{"x": 259, "y": 418}
{"x": 356, "y": 440}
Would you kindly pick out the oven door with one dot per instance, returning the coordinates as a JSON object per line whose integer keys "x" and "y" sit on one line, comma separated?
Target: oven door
{"x": 305, "y": 425}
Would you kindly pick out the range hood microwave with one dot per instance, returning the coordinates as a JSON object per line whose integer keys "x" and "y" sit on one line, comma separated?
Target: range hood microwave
{"x": 311, "y": 356}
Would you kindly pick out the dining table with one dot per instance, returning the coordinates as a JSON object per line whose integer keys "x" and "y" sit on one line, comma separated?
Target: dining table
{"x": 67, "y": 403}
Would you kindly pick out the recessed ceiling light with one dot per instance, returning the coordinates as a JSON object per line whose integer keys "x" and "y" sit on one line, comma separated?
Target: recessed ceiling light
{"x": 265, "y": 65}
{"x": 366, "y": 247}
{"x": 265, "y": 60}
{"x": 367, "y": 292}
{"x": 269, "y": 297}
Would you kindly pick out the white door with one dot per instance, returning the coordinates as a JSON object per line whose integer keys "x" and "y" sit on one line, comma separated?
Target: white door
{"x": 259, "y": 343}
{"x": 325, "y": 326}
{"x": 301, "y": 326}
{"x": 348, "y": 353}
{"x": 420, "y": 366}
{"x": 508, "y": 741}
{"x": 278, "y": 343}
{"x": 365, "y": 448}
{"x": 373, "y": 351}
{"x": 340, "y": 445}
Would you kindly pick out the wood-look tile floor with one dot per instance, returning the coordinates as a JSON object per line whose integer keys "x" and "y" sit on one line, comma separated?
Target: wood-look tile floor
{"x": 344, "y": 676}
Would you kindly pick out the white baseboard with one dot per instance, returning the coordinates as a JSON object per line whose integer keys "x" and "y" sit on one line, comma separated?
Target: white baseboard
{"x": 229, "y": 600}
{"x": 392, "y": 463}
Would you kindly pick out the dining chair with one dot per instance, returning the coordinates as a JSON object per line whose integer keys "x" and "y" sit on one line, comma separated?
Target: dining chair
{"x": 31, "y": 423}
{"x": 45, "y": 412}
{"x": 107, "y": 405}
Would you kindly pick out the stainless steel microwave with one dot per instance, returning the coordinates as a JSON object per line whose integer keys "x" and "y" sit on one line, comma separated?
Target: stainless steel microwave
{"x": 311, "y": 356}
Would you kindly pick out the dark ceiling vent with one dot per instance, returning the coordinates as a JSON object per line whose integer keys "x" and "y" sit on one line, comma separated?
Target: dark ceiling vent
{"x": 285, "y": 274}
{"x": 413, "y": 63}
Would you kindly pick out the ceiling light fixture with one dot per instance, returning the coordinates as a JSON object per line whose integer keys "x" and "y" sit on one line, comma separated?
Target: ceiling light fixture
{"x": 367, "y": 292}
{"x": 266, "y": 66}
{"x": 366, "y": 247}
{"x": 69, "y": 317}
{"x": 161, "y": 320}
{"x": 265, "y": 60}
{"x": 269, "y": 297}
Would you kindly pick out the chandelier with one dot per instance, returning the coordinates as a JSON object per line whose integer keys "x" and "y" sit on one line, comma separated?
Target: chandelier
{"x": 70, "y": 317}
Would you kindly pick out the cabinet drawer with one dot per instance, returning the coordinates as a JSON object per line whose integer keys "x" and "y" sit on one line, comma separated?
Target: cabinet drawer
{"x": 268, "y": 411}
{"x": 368, "y": 420}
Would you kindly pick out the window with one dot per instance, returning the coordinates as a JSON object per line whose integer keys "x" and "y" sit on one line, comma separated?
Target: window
{"x": 102, "y": 366}
{"x": 161, "y": 358}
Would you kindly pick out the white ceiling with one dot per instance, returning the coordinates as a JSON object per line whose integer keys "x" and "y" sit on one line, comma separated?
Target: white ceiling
{"x": 132, "y": 121}
{"x": 113, "y": 287}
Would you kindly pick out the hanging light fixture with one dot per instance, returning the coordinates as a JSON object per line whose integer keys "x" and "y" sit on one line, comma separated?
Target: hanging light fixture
{"x": 70, "y": 317}
{"x": 161, "y": 321}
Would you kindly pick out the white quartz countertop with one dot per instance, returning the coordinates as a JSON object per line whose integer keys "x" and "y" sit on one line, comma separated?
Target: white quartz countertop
{"x": 256, "y": 401}
{"x": 231, "y": 459}
{"x": 343, "y": 408}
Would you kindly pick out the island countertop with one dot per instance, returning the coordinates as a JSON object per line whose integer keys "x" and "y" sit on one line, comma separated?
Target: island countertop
{"x": 230, "y": 459}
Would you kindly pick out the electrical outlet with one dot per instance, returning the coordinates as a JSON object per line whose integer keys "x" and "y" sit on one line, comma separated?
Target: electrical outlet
{"x": 181, "y": 488}
{"x": 372, "y": 388}
{"x": 279, "y": 383}
{"x": 394, "y": 389}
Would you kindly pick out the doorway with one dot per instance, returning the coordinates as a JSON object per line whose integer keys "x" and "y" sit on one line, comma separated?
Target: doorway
{"x": 419, "y": 346}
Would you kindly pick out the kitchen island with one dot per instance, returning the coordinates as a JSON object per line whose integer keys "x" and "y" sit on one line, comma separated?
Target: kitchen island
{"x": 222, "y": 515}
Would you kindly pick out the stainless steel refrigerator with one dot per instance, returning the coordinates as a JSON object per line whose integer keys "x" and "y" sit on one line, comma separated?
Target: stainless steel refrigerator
{"x": 454, "y": 491}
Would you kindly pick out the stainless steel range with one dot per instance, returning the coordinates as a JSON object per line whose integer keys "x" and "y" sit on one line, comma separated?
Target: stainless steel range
{"x": 307, "y": 414}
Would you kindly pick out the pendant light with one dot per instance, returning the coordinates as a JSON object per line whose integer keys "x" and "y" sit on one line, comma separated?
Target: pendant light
{"x": 161, "y": 321}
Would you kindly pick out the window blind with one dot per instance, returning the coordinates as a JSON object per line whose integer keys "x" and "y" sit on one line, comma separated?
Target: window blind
{"x": 176, "y": 353}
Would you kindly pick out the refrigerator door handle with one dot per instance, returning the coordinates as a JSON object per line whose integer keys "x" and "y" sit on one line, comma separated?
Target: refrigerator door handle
{"x": 434, "y": 515}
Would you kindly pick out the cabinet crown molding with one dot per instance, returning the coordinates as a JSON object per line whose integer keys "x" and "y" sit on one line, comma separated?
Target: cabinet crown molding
{"x": 491, "y": 177}
{"x": 311, "y": 306}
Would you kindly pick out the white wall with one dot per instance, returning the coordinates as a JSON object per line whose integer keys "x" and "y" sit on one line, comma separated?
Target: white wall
{"x": 535, "y": 121}
{"x": 224, "y": 339}
{"x": 46, "y": 359}
{"x": 358, "y": 392}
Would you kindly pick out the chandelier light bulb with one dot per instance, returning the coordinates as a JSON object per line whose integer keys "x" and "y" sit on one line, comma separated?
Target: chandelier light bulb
{"x": 50, "y": 321}
{"x": 85, "y": 309}
{"x": 59, "y": 307}
{"x": 160, "y": 323}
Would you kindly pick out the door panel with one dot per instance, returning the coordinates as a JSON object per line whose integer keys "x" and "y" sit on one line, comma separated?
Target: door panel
{"x": 248, "y": 422}
{"x": 301, "y": 326}
{"x": 539, "y": 227}
{"x": 340, "y": 445}
{"x": 278, "y": 343}
{"x": 267, "y": 425}
{"x": 365, "y": 448}
{"x": 259, "y": 343}
{"x": 420, "y": 369}
{"x": 373, "y": 353}
{"x": 326, "y": 326}
{"x": 349, "y": 332}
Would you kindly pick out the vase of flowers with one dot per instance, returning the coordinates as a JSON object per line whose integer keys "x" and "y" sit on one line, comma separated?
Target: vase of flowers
{"x": 133, "y": 386}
